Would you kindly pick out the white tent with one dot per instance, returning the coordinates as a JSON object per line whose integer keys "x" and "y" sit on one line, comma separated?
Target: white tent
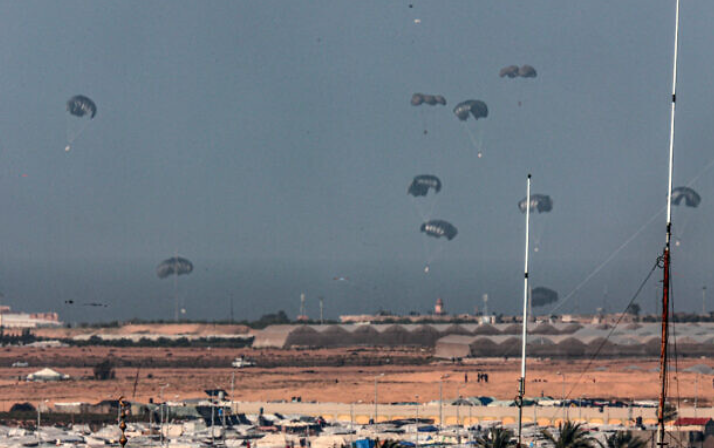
{"x": 47, "y": 375}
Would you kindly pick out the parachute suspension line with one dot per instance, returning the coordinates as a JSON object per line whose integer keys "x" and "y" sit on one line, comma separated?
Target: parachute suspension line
{"x": 605, "y": 262}
{"x": 522, "y": 380}
{"x": 610, "y": 333}
{"x": 666, "y": 254}
{"x": 74, "y": 131}
{"x": 431, "y": 255}
{"x": 474, "y": 140}
{"x": 539, "y": 231}
{"x": 176, "y": 302}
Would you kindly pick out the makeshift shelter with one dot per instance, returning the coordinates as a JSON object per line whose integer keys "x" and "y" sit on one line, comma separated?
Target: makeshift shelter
{"x": 46, "y": 375}
{"x": 486, "y": 330}
{"x": 545, "y": 329}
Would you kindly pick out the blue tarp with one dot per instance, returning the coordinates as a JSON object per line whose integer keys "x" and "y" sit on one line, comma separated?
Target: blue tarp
{"x": 364, "y": 443}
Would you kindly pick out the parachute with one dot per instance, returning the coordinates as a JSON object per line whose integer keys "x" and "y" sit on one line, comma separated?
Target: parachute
{"x": 684, "y": 196}
{"x": 513, "y": 71}
{"x": 174, "y": 266}
{"x": 84, "y": 109}
{"x": 422, "y": 183}
{"x": 690, "y": 197}
{"x": 476, "y": 108}
{"x": 541, "y": 296}
{"x": 427, "y": 117}
{"x": 438, "y": 228}
{"x": 81, "y": 106}
{"x": 539, "y": 202}
{"x": 432, "y": 100}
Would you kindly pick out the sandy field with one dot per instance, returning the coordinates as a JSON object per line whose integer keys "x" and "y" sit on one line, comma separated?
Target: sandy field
{"x": 185, "y": 372}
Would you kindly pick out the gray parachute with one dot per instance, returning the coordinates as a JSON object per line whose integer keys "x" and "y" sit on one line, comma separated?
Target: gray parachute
{"x": 513, "y": 71}
{"x": 690, "y": 197}
{"x": 475, "y": 108}
{"x": 174, "y": 266}
{"x": 432, "y": 100}
{"x": 422, "y": 183}
{"x": 81, "y": 106}
{"x": 539, "y": 202}
{"x": 541, "y": 296}
{"x": 438, "y": 228}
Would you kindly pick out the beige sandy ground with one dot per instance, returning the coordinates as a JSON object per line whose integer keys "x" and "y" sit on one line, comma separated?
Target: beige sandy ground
{"x": 334, "y": 384}
{"x": 139, "y": 329}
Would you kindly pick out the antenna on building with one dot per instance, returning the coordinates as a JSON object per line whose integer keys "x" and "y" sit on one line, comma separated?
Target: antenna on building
{"x": 485, "y": 304}
{"x": 302, "y": 317}
{"x": 322, "y": 300}
{"x": 604, "y": 300}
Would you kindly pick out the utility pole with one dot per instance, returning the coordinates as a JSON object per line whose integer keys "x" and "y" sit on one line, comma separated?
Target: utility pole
{"x": 417, "y": 419}
{"x": 233, "y": 384}
{"x": 441, "y": 400}
{"x": 376, "y": 398}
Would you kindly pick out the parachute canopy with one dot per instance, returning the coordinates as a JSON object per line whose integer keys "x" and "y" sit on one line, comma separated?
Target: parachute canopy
{"x": 421, "y": 184}
{"x": 539, "y": 202}
{"x": 509, "y": 72}
{"x": 81, "y": 106}
{"x": 174, "y": 266}
{"x": 527, "y": 71}
{"x": 438, "y": 228}
{"x": 543, "y": 296}
{"x": 432, "y": 100}
{"x": 513, "y": 71}
{"x": 690, "y": 197}
{"x": 477, "y": 108}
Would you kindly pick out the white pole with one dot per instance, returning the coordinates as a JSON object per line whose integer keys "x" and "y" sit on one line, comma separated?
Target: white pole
{"x": 441, "y": 403}
{"x": 696, "y": 393}
{"x": 522, "y": 381}
{"x": 417, "y": 421}
{"x": 665, "y": 334}
{"x": 671, "y": 119}
{"x": 233, "y": 386}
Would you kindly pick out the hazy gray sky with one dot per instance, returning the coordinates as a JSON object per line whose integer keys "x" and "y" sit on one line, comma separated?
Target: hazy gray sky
{"x": 272, "y": 144}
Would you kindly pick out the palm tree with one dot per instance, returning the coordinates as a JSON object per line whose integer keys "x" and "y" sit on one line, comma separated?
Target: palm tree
{"x": 624, "y": 439}
{"x": 389, "y": 443}
{"x": 670, "y": 412}
{"x": 571, "y": 436}
{"x": 497, "y": 438}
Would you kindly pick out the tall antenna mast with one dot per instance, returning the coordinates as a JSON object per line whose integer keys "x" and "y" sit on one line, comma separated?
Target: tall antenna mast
{"x": 666, "y": 254}
{"x": 522, "y": 381}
